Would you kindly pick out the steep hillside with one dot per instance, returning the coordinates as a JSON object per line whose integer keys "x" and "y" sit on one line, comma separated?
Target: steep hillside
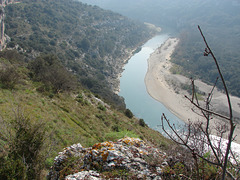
{"x": 219, "y": 20}
{"x": 75, "y": 116}
{"x": 3, "y": 37}
{"x": 62, "y": 59}
{"x": 37, "y": 121}
{"x": 91, "y": 42}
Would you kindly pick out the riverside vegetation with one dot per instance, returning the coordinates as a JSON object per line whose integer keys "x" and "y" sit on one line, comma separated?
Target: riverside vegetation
{"x": 91, "y": 42}
{"x": 56, "y": 89}
{"x": 220, "y": 19}
{"x": 39, "y": 118}
{"x": 53, "y": 75}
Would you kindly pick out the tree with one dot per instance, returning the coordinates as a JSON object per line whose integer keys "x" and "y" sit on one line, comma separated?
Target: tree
{"x": 129, "y": 113}
{"x": 9, "y": 76}
{"x": 22, "y": 145}
{"x": 197, "y": 136}
{"x": 52, "y": 73}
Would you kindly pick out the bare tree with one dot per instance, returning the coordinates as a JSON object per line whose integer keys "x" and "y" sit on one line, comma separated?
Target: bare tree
{"x": 197, "y": 136}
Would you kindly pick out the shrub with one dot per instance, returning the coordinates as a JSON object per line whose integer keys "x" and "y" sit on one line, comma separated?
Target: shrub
{"x": 101, "y": 107}
{"x": 129, "y": 113}
{"x": 8, "y": 76}
{"x": 100, "y": 116}
{"x": 142, "y": 123}
{"x": 52, "y": 73}
{"x": 22, "y": 144}
{"x": 116, "y": 128}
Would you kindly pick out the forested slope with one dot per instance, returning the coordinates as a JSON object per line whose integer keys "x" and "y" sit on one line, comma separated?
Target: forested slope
{"x": 219, "y": 20}
{"x": 43, "y": 110}
{"x": 56, "y": 52}
{"x": 91, "y": 42}
{"x": 190, "y": 56}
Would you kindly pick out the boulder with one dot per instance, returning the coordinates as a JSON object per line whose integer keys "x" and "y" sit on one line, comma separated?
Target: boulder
{"x": 130, "y": 155}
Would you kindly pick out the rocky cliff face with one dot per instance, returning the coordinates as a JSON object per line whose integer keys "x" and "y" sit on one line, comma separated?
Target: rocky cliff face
{"x": 3, "y": 37}
{"x": 2, "y": 28}
{"x": 6, "y": 2}
{"x": 127, "y": 158}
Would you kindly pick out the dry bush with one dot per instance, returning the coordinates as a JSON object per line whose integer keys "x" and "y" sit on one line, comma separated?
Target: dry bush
{"x": 22, "y": 144}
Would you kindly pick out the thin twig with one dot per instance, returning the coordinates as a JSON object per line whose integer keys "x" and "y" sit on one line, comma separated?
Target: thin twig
{"x": 209, "y": 111}
{"x": 220, "y": 73}
{"x": 232, "y": 126}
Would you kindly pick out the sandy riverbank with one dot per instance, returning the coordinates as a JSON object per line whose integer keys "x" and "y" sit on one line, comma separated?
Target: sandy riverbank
{"x": 157, "y": 86}
{"x": 164, "y": 87}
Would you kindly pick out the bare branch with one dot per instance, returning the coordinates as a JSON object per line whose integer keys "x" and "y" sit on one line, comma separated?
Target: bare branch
{"x": 182, "y": 141}
{"x": 197, "y": 135}
{"x": 219, "y": 71}
{"x": 235, "y": 159}
{"x": 211, "y": 112}
{"x": 232, "y": 126}
{"x": 210, "y": 95}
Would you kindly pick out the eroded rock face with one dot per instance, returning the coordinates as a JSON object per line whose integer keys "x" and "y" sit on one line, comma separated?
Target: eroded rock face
{"x": 3, "y": 37}
{"x": 130, "y": 155}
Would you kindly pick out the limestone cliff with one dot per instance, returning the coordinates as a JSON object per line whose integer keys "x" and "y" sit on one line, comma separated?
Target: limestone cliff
{"x": 3, "y": 37}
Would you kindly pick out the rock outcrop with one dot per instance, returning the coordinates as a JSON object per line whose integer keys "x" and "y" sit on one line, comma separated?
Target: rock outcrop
{"x": 127, "y": 158}
{"x": 3, "y": 37}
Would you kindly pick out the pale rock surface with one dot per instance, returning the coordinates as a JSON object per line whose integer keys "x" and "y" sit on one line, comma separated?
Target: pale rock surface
{"x": 130, "y": 154}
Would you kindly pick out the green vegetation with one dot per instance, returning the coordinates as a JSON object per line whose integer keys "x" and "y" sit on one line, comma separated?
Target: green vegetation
{"x": 41, "y": 123}
{"x": 220, "y": 21}
{"x": 176, "y": 69}
{"x": 89, "y": 41}
{"x": 142, "y": 123}
{"x": 48, "y": 69}
{"x": 22, "y": 147}
{"x": 59, "y": 50}
{"x": 8, "y": 76}
{"x": 114, "y": 136}
{"x": 189, "y": 56}
{"x": 129, "y": 113}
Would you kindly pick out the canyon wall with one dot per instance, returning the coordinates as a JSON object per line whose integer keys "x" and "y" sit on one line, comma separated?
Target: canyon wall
{"x": 3, "y": 38}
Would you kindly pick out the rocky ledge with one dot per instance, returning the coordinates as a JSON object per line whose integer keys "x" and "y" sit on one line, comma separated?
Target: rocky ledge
{"x": 125, "y": 159}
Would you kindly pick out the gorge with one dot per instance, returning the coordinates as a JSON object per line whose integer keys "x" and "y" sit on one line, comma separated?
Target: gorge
{"x": 54, "y": 42}
{"x": 133, "y": 88}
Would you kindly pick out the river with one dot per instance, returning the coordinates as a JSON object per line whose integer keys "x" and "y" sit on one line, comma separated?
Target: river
{"x": 133, "y": 89}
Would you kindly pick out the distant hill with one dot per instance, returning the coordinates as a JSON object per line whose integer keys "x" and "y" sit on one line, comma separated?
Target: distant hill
{"x": 175, "y": 15}
{"x": 61, "y": 61}
{"x": 36, "y": 123}
{"x": 219, "y": 19}
{"x": 91, "y": 42}
{"x": 58, "y": 74}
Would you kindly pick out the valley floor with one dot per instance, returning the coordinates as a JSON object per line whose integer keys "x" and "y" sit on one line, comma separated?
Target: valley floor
{"x": 165, "y": 88}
